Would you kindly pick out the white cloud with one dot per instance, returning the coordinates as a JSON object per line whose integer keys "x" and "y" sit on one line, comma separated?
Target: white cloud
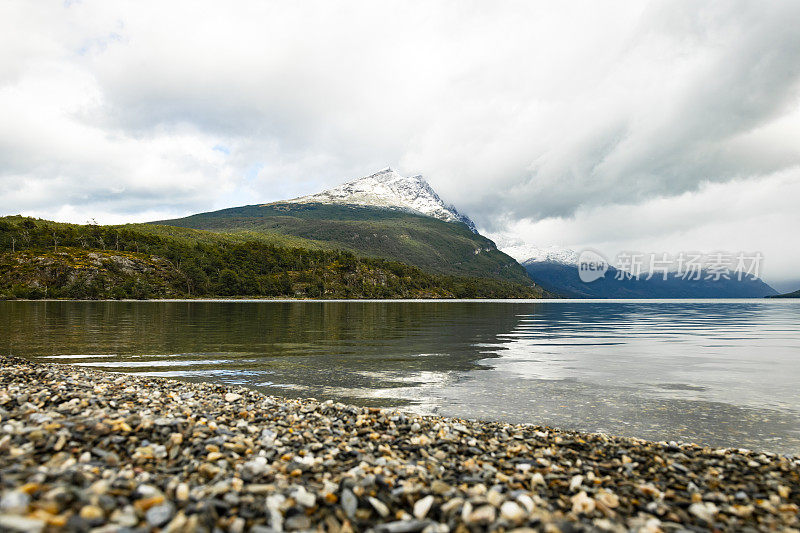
{"x": 738, "y": 216}
{"x": 516, "y": 112}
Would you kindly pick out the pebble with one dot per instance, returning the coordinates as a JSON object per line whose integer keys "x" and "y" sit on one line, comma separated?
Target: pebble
{"x": 179, "y": 523}
{"x": 158, "y": 515}
{"x": 11, "y": 522}
{"x": 705, "y": 511}
{"x": 126, "y": 453}
{"x": 379, "y": 506}
{"x": 440, "y": 487}
{"x": 182, "y": 492}
{"x": 512, "y": 512}
{"x": 92, "y": 513}
{"x": 482, "y": 515}
{"x": 349, "y": 503}
{"x": 401, "y": 526}
{"x": 422, "y": 506}
{"x": 15, "y": 502}
{"x": 125, "y": 517}
{"x": 304, "y": 498}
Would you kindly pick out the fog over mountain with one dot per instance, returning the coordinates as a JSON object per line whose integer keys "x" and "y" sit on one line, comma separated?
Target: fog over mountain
{"x": 652, "y": 126}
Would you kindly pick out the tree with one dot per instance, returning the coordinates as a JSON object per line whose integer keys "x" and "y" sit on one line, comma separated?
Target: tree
{"x": 228, "y": 282}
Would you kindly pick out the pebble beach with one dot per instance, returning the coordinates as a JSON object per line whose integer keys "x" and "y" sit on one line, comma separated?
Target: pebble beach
{"x": 85, "y": 450}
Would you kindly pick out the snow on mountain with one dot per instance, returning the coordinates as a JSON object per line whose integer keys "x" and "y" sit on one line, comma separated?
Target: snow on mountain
{"x": 528, "y": 253}
{"x": 387, "y": 188}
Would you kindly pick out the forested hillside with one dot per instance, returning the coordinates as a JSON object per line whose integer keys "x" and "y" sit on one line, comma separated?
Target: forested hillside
{"x": 414, "y": 239}
{"x": 43, "y": 259}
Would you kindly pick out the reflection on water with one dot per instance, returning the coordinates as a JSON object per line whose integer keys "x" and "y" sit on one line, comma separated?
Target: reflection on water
{"x": 722, "y": 373}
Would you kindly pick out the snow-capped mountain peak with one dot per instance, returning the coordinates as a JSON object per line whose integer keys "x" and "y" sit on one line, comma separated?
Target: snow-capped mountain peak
{"x": 528, "y": 253}
{"x": 387, "y": 188}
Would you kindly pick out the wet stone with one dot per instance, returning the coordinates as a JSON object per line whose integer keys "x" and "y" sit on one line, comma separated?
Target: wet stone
{"x": 158, "y": 515}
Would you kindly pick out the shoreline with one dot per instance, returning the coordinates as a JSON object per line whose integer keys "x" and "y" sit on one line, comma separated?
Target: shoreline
{"x": 85, "y": 449}
{"x": 412, "y": 300}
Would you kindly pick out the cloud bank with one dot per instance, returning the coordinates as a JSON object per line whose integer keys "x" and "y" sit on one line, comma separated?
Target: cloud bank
{"x": 542, "y": 122}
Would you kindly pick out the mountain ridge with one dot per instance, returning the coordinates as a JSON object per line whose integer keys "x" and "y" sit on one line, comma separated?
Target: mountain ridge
{"x": 383, "y": 215}
{"x": 557, "y": 270}
{"x": 387, "y": 188}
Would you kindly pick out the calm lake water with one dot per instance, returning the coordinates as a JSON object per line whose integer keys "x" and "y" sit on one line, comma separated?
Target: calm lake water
{"x": 724, "y": 373}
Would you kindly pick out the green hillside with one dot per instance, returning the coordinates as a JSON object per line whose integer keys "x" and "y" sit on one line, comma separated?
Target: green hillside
{"x": 43, "y": 259}
{"x": 428, "y": 243}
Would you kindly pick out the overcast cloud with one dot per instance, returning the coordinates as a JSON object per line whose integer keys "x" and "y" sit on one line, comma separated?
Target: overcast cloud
{"x": 619, "y": 125}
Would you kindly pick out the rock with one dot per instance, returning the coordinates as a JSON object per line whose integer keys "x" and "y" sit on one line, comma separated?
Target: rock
{"x": 274, "y": 503}
{"x": 401, "y": 526}
{"x": 482, "y": 515}
{"x": 209, "y": 470}
{"x": 125, "y": 517}
{"x": 452, "y": 505}
{"x": 297, "y": 522}
{"x": 14, "y": 502}
{"x": 494, "y": 498}
{"x": 512, "y": 512}
{"x": 92, "y": 513}
{"x": 380, "y": 507}
{"x": 237, "y": 525}
{"x": 179, "y": 522}
{"x": 16, "y": 523}
{"x": 422, "y": 506}
{"x": 267, "y": 438}
{"x": 182, "y": 492}
{"x": 575, "y": 483}
{"x": 526, "y": 502}
{"x": 436, "y": 528}
{"x": 705, "y": 511}
{"x": 232, "y": 397}
{"x": 349, "y": 503}
{"x": 304, "y": 498}
{"x": 145, "y": 504}
{"x": 263, "y": 529}
{"x": 158, "y": 515}
{"x": 254, "y": 468}
{"x": 582, "y": 503}
{"x": 609, "y": 499}
{"x": 439, "y": 487}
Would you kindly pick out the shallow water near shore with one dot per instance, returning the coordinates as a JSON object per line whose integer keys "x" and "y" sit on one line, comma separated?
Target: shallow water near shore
{"x": 723, "y": 373}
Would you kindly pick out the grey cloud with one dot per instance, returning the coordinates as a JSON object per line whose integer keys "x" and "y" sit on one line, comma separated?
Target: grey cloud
{"x": 687, "y": 132}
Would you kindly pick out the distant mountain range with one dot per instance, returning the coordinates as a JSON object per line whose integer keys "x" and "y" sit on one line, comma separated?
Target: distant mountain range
{"x": 400, "y": 218}
{"x": 383, "y": 235}
{"x": 556, "y": 270}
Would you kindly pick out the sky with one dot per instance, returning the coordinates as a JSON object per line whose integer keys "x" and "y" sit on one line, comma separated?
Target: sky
{"x": 649, "y": 126}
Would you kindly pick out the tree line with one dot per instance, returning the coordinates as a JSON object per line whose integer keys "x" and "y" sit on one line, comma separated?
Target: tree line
{"x": 48, "y": 259}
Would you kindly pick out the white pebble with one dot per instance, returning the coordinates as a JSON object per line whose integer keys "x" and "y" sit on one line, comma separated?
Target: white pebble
{"x": 422, "y": 506}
